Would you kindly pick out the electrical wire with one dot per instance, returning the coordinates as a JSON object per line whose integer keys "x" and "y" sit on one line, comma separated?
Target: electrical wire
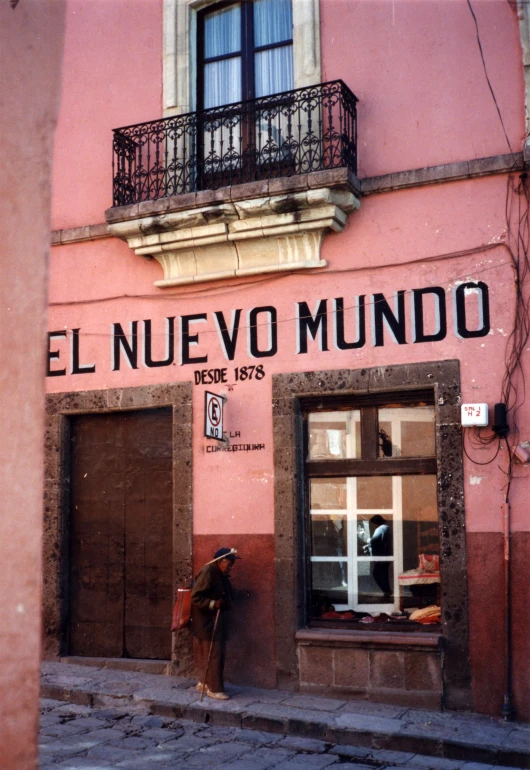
{"x": 477, "y": 462}
{"x": 487, "y": 76}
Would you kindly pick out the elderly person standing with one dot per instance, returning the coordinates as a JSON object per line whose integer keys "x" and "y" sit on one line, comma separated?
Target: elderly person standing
{"x": 213, "y": 593}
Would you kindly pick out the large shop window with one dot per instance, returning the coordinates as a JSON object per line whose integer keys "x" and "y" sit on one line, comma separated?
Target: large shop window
{"x": 372, "y": 523}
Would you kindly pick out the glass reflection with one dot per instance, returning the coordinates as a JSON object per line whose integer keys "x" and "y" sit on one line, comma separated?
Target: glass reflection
{"x": 329, "y": 583}
{"x": 375, "y": 536}
{"x": 328, "y": 494}
{"x": 374, "y": 492}
{"x": 329, "y": 535}
{"x": 407, "y": 431}
{"x": 375, "y": 580}
{"x": 334, "y": 435}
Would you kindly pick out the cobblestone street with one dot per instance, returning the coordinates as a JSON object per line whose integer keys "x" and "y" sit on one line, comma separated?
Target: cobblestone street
{"x": 76, "y": 737}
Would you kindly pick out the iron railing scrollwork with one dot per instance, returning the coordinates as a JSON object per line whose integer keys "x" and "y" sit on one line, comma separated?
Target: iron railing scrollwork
{"x": 295, "y": 132}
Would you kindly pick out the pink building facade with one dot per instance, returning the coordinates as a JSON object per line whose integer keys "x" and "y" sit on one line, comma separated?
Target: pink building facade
{"x": 343, "y": 273}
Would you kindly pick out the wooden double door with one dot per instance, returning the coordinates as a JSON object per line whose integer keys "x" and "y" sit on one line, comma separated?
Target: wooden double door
{"x": 120, "y": 586}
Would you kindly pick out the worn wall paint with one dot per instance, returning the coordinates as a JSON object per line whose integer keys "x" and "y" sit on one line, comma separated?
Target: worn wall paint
{"x": 31, "y": 36}
{"x": 424, "y": 100}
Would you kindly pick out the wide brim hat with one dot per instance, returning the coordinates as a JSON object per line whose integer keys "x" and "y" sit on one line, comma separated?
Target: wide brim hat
{"x": 226, "y": 553}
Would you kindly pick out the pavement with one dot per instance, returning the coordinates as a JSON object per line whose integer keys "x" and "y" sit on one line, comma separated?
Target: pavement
{"x": 342, "y": 732}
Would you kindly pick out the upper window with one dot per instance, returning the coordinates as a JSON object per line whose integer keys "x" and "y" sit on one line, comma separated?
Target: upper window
{"x": 371, "y": 521}
{"x": 245, "y": 50}
{"x": 255, "y": 32}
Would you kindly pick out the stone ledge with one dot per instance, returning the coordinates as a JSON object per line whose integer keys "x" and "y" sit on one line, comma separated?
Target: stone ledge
{"x": 447, "y": 172}
{"x": 339, "y": 177}
{"x": 240, "y": 231}
{"x": 79, "y": 234}
{"x": 352, "y": 637}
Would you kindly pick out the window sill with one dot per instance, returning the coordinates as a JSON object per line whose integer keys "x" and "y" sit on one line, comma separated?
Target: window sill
{"x": 352, "y": 637}
{"x": 248, "y": 229}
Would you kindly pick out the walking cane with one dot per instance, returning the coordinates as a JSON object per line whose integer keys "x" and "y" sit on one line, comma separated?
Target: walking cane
{"x": 209, "y": 655}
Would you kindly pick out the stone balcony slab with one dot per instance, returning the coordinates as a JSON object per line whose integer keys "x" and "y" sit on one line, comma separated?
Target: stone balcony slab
{"x": 242, "y": 230}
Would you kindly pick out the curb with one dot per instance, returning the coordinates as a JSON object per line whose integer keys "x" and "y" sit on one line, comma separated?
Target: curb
{"x": 244, "y": 718}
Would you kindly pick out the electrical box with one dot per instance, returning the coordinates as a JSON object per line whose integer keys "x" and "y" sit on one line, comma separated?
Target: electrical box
{"x": 474, "y": 415}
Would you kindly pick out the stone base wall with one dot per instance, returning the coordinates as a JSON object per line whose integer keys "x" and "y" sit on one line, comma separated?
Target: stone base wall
{"x": 408, "y": 677}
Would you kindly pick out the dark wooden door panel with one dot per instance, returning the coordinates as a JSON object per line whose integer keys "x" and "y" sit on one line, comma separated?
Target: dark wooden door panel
{"x": 121, "y": 534}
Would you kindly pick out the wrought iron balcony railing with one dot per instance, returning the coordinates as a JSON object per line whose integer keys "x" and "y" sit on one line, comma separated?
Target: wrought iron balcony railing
{"x": 295, "y": 132}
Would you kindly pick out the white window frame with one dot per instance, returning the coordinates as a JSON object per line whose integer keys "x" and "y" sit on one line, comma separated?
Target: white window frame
{"x": 352, "y": 512}
{"x": 180, "y": 50}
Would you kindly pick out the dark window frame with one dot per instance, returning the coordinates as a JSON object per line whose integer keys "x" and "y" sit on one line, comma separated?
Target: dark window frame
{"x": 248, "y": 49}
{"x": 369, "y": 464}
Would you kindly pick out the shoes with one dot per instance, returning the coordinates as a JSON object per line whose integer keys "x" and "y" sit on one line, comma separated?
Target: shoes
{"x": 199, "y": 687}
{"x": 217, "y": 695}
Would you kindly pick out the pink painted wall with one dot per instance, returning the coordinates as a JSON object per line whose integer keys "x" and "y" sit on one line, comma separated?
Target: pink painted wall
{"x": 416, "y": 68}
{"x": 379, "y": 252}
{"x": 112, "y": 77}
{"x": 424, "y": 100}
{"x": 31, "y": 36}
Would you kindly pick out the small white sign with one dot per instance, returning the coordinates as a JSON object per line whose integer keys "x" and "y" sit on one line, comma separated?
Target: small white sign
{"x": 474, "y": 415}
{"x": 213, "y": 416}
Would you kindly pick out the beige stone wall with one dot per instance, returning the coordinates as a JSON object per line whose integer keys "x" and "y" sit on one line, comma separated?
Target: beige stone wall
{"x": 31, "y": 36}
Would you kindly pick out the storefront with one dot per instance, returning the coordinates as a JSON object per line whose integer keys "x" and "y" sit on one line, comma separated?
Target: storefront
{"x": 343, "y": 317}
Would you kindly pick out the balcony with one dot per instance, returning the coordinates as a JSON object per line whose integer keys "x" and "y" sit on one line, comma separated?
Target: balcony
{"x": 241, "y": 189}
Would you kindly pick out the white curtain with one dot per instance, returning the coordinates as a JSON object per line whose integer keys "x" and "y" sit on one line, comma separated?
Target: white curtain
{"x": 273, "y": 70}
{"x": 222, "y": 32}
{"x": 222, "y": 35}
{"x": 273, "y": 21}
{"x": 222, "y": 82}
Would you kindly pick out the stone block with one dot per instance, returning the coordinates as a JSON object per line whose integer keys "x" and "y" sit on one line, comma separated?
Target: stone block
{"x": 316, "y": 665}
{"x": 217, "y": 258}
{"x": 264, "y": 723}
{"x": 257, "y": 253}
{"x": 352, "y": 668}
{"x": 121, "y": 213}
{"x": 331, "y": 178}
{"x": 184, "y": 201}
{"x": 303, "y": 744}
{"x": 422, "y": 671}
{"x": 307, "y": 728}
{"x": 313, "y": 704}
{"x": 387, "y": 669}
{"x": 249, "y": 190}
{"x": 288, "y": 184}
{"x": 206, "y": 197}
{"x": 350, "y": 751}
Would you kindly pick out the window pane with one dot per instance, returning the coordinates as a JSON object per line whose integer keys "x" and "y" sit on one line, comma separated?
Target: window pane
{"x": 375, "y": 535}
{"x": 374, "y": 492}
{"x": 379, "y": 534}
{"x": 273, "y": 21}
{"x": 328, "y": 494}
{"x": 375, "y": 580}
{"x": 407, "y": 432}
{"x": 222, "y": 32}
{"x": 329, "y": 584}
{"x": 419, "y": 582}
{"x": 222, "y": 82}
{"x": 334, "y": 435}
{"x": 274, "y": 71}
{"x": 329, "y": 535}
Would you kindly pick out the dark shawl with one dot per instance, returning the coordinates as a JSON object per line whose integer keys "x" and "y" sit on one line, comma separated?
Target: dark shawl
{"x": 210, "y": 585}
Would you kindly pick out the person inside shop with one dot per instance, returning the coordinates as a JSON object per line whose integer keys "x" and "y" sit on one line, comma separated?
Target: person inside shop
{"x": 211, "y": 601}
{"x": 380, "y": 544}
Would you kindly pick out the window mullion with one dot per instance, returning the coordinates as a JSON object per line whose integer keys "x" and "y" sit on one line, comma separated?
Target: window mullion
{"x": 247, "y": 49}
{"x": 369, "y": 441}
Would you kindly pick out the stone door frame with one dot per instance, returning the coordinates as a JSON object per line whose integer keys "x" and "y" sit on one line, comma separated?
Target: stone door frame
{"x": 59, "y": 408}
